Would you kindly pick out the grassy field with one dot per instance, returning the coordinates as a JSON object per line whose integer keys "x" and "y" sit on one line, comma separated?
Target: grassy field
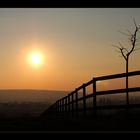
{"x": 20, "y": 118}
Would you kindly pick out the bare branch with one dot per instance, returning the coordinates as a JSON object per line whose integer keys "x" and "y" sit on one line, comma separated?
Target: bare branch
{"x": 129, "y": 32}
{"x": 123, "y": 53}
{"x": 126, "y": 50}
{"x": 133, "y": 40}
{"x": 138, "y": 28}
{"x": 116, "y": 46}
{"x": 135, "y": 23}
{"x": 125, "y": 33}
{"x": 116, "y": 51}
{"x": 123, "y": 47}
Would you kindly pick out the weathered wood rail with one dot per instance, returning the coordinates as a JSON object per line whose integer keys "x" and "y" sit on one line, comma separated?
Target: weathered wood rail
{"x": 70, "y": 103}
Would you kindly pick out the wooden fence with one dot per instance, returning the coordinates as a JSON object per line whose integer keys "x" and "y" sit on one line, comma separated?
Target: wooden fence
{"x": 70, "y": 103}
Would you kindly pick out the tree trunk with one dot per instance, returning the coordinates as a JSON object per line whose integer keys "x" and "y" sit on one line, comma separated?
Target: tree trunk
{"x": 127, "y": 96}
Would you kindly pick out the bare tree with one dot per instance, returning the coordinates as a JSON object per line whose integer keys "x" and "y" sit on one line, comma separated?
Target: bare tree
{"x": 125, "y": 52}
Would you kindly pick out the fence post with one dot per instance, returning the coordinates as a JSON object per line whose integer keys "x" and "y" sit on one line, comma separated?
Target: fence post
{"x": 69, "y": 104}
{"x": 58, "y": 107}
{"x": 94, "y": 95}
{"x": 72, "y": 94}
{"x": 55, "y": 108}
{"x": 66, "y": 104}
{"x": 63, "y": 106}
{"x": 84, "y": 99}
{"x": 76, "y": 100}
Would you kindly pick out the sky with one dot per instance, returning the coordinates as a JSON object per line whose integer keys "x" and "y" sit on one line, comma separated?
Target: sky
{"x": 75, "y": 45}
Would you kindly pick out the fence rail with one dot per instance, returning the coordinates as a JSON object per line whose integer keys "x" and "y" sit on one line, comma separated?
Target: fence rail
{"x": 69, "y": 104}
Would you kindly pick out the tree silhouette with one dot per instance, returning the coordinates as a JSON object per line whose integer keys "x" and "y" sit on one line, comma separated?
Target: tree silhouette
{"x": 125, "y": 52}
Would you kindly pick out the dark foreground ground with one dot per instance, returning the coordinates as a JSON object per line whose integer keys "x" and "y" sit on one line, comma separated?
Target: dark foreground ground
{"x": 119, "y": 121}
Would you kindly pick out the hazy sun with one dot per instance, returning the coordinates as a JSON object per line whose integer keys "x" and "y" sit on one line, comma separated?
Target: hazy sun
{"x": 36, "y": 58}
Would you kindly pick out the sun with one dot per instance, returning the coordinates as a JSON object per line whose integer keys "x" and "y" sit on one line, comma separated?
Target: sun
{"x": 36, "y": 58}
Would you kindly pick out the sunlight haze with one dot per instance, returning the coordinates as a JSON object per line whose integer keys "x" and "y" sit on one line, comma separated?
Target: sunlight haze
{"x": 61, "y": 48}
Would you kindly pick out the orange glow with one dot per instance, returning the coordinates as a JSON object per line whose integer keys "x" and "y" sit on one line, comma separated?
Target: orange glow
{"x": 43, "y": 51}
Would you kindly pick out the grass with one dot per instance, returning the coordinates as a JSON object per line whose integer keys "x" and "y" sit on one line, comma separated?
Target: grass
{"x": 107, "y": 120}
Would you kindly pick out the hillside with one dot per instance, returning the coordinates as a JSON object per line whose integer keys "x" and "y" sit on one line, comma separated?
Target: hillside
{"x": 26, "y": 95}
{"x": 26, "y": 102}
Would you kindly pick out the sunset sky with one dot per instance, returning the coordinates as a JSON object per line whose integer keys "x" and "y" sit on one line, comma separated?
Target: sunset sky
{"x": 73, "y": 45}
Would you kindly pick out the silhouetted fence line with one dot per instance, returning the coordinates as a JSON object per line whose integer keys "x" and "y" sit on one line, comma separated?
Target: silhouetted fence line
{"x": 68, "y": 105}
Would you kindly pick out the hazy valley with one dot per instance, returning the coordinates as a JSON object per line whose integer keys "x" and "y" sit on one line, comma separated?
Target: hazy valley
{"x": 17, "y": 103}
